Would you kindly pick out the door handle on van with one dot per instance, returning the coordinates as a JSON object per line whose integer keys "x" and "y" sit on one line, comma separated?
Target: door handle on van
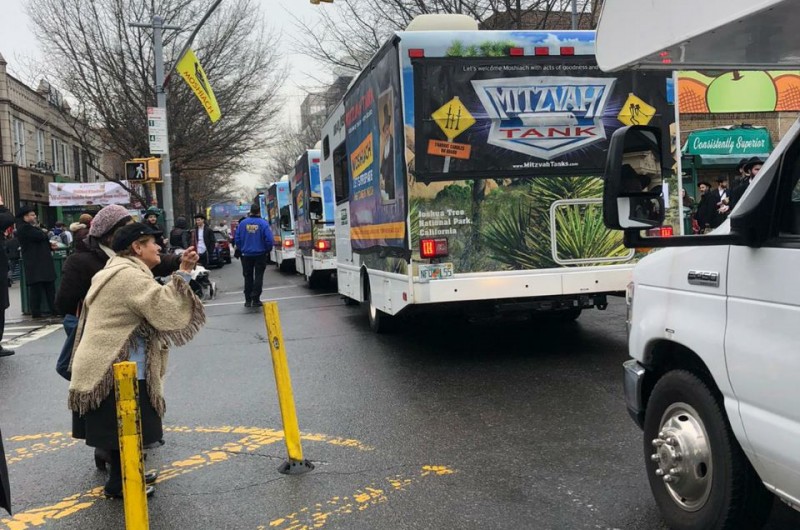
{"x": 706, "y": 278}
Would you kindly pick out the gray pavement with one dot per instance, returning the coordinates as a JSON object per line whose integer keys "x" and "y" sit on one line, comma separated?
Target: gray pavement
{"x": 448, "y": 424}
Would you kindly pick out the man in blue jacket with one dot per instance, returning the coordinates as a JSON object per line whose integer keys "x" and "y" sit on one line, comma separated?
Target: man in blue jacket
{"x": 253, "y": 244}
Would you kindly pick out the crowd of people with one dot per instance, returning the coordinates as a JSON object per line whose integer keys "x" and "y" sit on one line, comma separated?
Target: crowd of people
{"x": 715, "y": 203}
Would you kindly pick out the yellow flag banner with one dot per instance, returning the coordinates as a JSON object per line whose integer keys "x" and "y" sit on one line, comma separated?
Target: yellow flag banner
{"x": 191, "y": 71}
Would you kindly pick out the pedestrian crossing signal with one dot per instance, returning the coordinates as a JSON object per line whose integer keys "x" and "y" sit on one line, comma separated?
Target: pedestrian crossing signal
{"x": 136, "y": 170}
{"x": 143, "y": 169}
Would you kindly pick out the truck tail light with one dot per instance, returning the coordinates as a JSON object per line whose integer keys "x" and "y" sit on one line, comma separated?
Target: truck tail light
{"x": 288, "y": 243}
{"x": 322, "y": 245}
{"x": 416, "y": 53}
{"x": 433, "y": 248}
{"x": 516, "y": 52}
{"x": 663, "y": 231}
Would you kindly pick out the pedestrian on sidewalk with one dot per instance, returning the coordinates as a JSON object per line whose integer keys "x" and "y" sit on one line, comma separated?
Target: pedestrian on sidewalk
{"x": 6, "y": 220}
{"x": 37, "y": 260}
{"x": 128, "y": 316}
{"x": 253, "y": 244}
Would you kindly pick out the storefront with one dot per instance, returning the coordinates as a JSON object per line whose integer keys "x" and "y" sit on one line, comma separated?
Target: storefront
{"x": 33, "y": 192}
{"x": 710, "y": 153}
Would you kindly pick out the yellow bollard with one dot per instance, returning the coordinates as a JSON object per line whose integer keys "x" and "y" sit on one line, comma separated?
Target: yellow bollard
{"x": 296, "y": 464}
{"x": 129, "y": 423}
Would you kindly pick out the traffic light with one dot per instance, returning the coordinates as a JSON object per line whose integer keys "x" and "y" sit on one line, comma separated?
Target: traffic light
{"x": 136, "y": 170}
{"x": 154, "y": 169}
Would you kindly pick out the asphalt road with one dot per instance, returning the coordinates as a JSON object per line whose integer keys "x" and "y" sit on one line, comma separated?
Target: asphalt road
{"x": 447, "y": 425}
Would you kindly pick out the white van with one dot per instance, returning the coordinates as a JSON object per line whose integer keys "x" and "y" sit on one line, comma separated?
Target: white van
{"x": 715, "y": 377}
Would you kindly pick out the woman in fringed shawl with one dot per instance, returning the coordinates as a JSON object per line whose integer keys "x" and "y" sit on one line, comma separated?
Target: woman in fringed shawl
{"x": 128, "y": 316}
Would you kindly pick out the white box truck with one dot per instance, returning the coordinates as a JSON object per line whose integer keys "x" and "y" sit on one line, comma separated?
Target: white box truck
{"x": 466, "y": 166}
{"x": 713, "y": 321}
{"x": 278, "y": 213}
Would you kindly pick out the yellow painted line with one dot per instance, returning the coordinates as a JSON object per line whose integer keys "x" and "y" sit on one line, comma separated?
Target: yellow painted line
{"x": 255, "y": 438}
{"x": 322, "y": 513}
{"x": 260, "y": 431}
{"x": 49, "y": 443}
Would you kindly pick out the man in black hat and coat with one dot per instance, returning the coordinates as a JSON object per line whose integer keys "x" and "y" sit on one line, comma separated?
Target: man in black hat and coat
{"x": 6, "y": 220}
{"x": 37, "y": 258}
{"x": 751, "y": 169}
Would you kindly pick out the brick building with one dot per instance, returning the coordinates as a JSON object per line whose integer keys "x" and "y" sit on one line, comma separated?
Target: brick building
{"x": 38, "y": 146}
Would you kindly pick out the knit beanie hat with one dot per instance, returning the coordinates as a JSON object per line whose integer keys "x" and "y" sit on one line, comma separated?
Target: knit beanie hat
{"x": 106, "y": 219}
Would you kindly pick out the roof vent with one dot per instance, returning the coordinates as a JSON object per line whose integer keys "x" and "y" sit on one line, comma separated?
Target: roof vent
{"x": 439, "y": 22}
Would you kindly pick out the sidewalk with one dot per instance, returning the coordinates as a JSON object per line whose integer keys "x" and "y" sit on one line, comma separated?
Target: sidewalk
{"x": 14, "y": 312}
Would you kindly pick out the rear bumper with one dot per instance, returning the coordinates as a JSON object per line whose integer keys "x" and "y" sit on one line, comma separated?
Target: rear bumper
{"x": 633, "y": 384}
{"x": 525, "y": 284}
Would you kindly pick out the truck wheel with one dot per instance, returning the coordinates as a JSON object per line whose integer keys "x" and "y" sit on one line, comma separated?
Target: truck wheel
{"x": 285, "y": 266}
{"x": 379, "y": 322}
{"x": 698, "y": 473}
{"x": 316, "y": 280}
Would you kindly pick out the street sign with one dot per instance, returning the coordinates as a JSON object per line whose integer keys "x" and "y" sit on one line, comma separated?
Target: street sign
{"x": 157, "y": 130}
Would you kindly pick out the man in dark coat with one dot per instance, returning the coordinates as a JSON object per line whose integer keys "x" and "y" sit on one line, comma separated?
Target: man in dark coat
{"x": 37, "y": 258}
{"x": 6, "y": 220}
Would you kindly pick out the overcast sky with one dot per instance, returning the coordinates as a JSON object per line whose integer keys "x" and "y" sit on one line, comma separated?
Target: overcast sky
{"x": 17, "y": 44}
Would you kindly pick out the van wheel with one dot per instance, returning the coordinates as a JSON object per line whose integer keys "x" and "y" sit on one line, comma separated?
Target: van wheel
{"x": 698, "y": 473}
{"x": 379, "y": 322}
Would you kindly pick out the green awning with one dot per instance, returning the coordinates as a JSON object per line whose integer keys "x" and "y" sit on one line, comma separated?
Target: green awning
{"x": 725, "y": 146}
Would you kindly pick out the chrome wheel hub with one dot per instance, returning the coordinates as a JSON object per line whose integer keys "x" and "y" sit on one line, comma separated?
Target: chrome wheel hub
{"x": 683, "y": 456}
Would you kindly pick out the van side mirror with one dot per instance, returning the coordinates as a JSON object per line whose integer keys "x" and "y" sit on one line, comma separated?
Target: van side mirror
{"x": 315, "y": 208}
{"x": 633, "y": 197}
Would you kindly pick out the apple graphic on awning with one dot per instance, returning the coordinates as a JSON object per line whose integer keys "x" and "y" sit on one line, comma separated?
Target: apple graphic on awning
{"x": 742, "y": 91}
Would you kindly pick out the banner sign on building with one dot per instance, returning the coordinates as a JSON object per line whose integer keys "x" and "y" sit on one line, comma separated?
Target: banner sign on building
{"x": 87, "y": 194}
{"x": 503, "y": 117}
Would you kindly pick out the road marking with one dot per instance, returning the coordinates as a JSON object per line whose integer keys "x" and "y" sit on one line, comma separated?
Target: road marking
{"x": 229, "y": 293}
{"x": 57, "y": 441}
{"x": 37, "y": 332}
{"x": 320, "y": 514}
{"x": 256, "y": 438}
{"x": 275, "y": 299}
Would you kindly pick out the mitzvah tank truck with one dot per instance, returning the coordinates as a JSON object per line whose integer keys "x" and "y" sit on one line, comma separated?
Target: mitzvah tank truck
{"x": 466, "y": 166}
{"x": 278, "y": 214}
{"x": 312, "y": 199}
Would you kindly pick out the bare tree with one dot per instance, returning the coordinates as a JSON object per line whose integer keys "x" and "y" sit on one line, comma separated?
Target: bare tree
{"x": 283, "y": 155}
{"x": 351, "y": 31}
{"x": 107, "y": 67}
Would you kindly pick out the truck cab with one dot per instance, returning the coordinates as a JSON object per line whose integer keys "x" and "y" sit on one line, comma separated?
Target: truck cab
{"x": 714, "y": 356}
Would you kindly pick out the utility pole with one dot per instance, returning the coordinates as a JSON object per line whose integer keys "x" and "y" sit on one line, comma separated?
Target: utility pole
{"x": 158, "y": 27}
{"x": 574, "y": 14}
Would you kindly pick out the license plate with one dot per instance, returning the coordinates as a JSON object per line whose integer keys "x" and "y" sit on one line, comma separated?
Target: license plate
{"x": 437, "y": 271}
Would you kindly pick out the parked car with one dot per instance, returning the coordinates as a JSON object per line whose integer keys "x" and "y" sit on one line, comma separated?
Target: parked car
{"x": 223, "y": 245}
